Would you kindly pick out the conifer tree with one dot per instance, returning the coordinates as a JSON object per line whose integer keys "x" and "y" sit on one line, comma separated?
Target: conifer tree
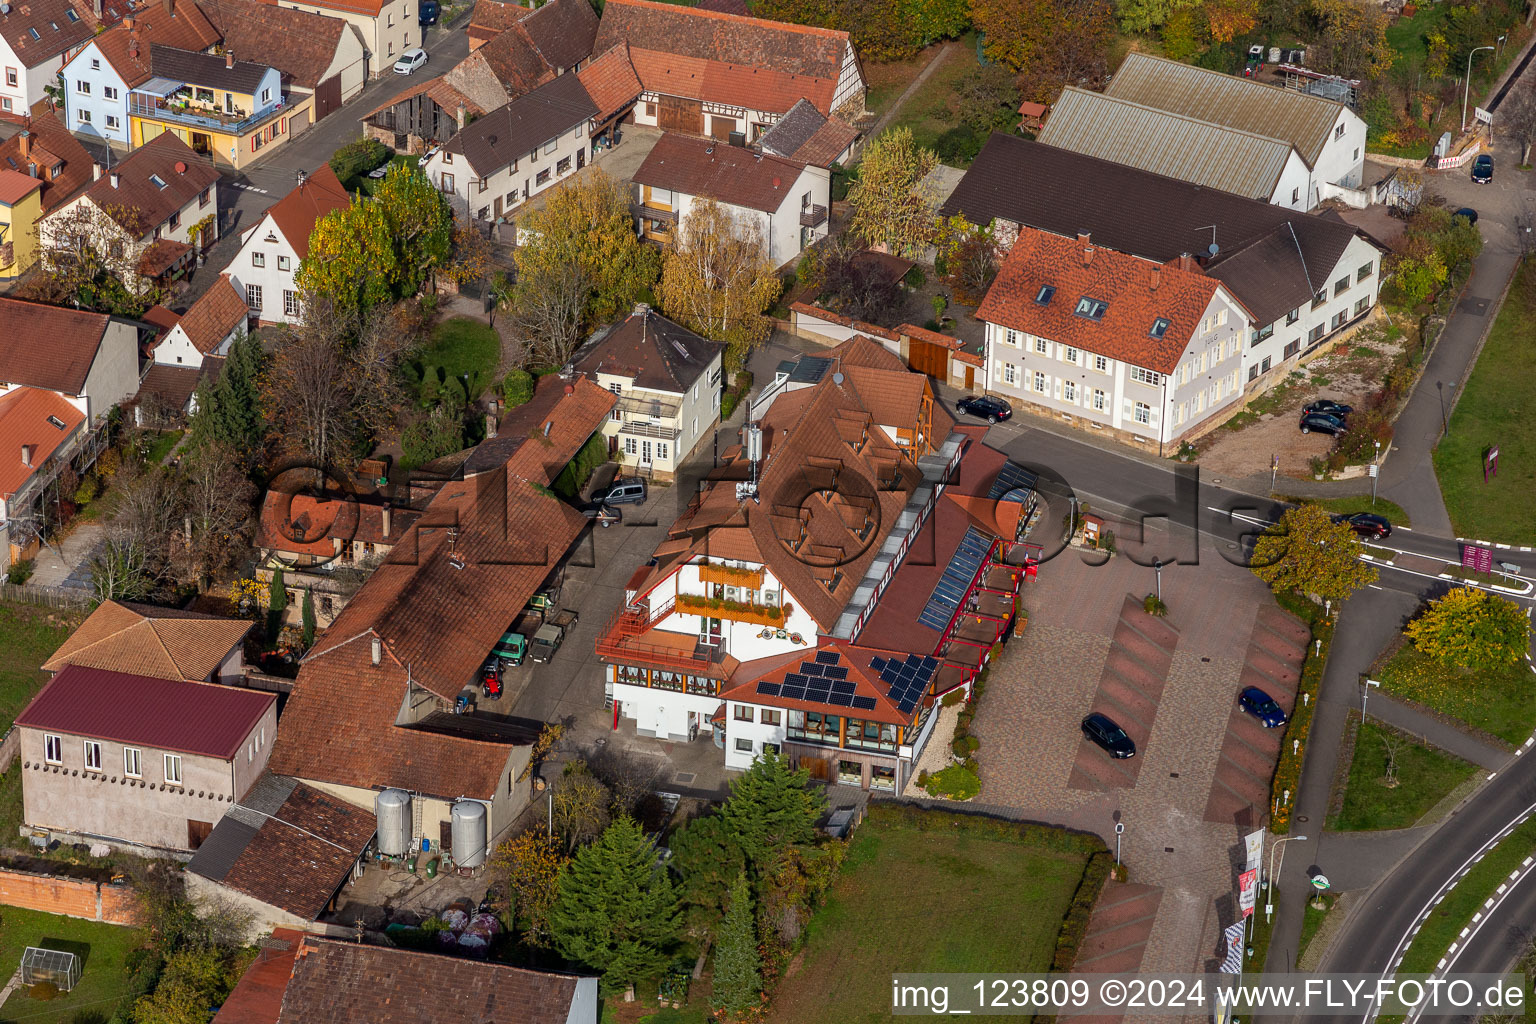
{"x": 738, "y": 964}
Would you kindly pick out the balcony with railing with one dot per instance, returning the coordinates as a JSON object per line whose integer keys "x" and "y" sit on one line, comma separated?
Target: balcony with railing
{"x": 180, "y": 106}
{"x": 813, "y": 216}
{"x": 630, "y": 636}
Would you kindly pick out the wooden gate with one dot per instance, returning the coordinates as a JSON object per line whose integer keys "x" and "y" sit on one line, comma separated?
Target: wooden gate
{"x": 929, "y": 358}
{"x": 676, "y": 114}
{"x": 327, "y": 96}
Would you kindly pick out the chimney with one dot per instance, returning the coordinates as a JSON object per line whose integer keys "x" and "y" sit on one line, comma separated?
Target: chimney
{"x": 490, "y": 426}
{"x": 96, "y": 6}
{"x": 1082, "y": 236}
{"x": 170, "y": 7}
{"x": 26, "y": 144}
{"x": 133, "y": 45}
{"x": 1157, "y": 277}
{"x": 26, "y": 455}
{"x": 377, "y": 653}
{"x": 462, "y": 115}
{"x": 229, "y": 55}
{"x": 386, "y": 514}
{"x": 1186, "y": 261}
{"x": 96, "y": 172}
{"x": 113, "y": 177}
{"x": 128, "y": 23}
{"x": 1087, "y": 250}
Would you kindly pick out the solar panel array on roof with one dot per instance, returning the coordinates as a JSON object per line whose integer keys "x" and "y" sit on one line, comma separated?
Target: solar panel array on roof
{"x": 823, "y": 680}
{"x": 952, "y": 585}
{"x": 1012, "y": 476}
{"x": 908, "y": 679}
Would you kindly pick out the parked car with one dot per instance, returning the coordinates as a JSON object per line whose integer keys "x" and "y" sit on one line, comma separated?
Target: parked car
{"x": 1329, "y": 407}
{"x": 1468, "y": 213}
{"x": 427, "y": 13}
{"x": 1482, "y": 169}
{"x": 490, "y": 678}
{"x": 1366, "y": 524}
{"x": 986, "y": 407}
{"x": 410, "y": 60}
{"x": 1101, "y": 729}
{"x": 1322, "y": 423}
{"x": 625, "y": 490}
{"x": 1261, "y": 706}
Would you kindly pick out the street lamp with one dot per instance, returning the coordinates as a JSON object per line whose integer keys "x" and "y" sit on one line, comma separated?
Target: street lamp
{"x": 1375, "y": 472}
{"x": 1467, "y": 91}
{"x": 1365, "y": 695}
{"x": 1274, "y": 879}
{"x": 1157, "y": 567}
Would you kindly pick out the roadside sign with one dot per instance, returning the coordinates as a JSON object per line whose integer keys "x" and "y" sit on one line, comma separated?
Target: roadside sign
{"x": 1482, "y": 115}
{"x": 1475, "y": 556}
{"x": 1320, "y": 882}
{"x": 1247, "y": 891}
{"x": 1253, "y": 844}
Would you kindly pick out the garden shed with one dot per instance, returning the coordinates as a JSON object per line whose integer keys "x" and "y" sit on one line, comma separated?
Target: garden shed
{"x": 51, "y": 965}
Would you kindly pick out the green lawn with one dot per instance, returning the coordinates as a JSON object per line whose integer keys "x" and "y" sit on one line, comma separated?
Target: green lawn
{"x": 160, "y": 446}
{"x": 1491, "y": 411}
{"x": 1312, "y": 922}
{"x": 1408, "y": 35}
{"x": 1501, "y": 703}
{"x": 1424, "y": 776}
{"x": 459, "y": 346}
{"x": 931, "y": 110}
{"x": 886, "y": 81}
{"x": 960, "y": 895}
{"x": 27, "y": 639}
{"x": 103, "y": 981}
{"x": 1455, "y": 912}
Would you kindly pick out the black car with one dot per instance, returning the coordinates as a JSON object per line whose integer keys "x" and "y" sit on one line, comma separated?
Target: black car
{"x": 988, "y": 408}
{"x": 1329, "y": 407}
{"x": 1101, "y": 729}
{"x": 427, "y": 13}
{"x": 1466, "y": 212}
{"x": 1482, "y": 169}
{"x": 1322, "y": 423}
{"x": 1366, "y": 524}
{"x": 1261, "y": 706}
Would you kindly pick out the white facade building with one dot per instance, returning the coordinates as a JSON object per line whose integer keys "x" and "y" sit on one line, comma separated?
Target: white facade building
{"x": 264, "y": 270}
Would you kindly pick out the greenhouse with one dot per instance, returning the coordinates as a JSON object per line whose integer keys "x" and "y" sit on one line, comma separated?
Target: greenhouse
{"x": 39, "y": 965}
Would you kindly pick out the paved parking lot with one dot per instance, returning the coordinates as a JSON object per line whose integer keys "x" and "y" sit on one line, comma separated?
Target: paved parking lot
{"x": 1201, "y": 773}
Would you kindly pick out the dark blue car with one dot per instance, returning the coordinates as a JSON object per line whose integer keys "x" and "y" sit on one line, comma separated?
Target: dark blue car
{"x": 1262, "y": 706}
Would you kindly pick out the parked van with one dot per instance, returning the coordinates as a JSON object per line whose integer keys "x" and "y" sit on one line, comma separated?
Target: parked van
{"x": 625, "y": 490}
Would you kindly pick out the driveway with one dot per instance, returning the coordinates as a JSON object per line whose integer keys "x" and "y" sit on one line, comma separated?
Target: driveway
{"x": 1200, "y": 778}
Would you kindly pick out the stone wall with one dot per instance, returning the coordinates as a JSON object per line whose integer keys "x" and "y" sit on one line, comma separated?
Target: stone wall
{"x": 70, "y": 897}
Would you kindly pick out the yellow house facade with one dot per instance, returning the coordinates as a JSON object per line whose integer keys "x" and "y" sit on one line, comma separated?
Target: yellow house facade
{"x": 229, "y": 111}
{"x": 21, "y": 207}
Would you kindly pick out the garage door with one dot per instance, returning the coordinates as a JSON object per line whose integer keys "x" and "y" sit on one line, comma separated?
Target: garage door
{"x": 722, "y": 127}
{"x": 676, "y": 114}
{"x": 929, "y": 358}
{"x": 327, "y": 96}
{"x": 298, "y": 122}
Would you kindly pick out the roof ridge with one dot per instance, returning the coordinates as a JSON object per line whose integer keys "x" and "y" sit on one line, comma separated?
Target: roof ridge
{"x": 1238, "y": 82}
{"x": 1181, "y": 117}
{"x": 815, "y": 30}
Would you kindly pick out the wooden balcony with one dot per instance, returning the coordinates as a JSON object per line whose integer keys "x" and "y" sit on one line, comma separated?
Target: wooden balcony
{"x": 735, "y": 611}
{"x": 731, "y": 576}
{"x": 813, "y": 216}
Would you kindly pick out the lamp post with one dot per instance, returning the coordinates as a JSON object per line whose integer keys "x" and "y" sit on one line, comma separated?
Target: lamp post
{"x": 1468, "y": 89}
{"x": 1157, "y": 567}
{"x": 1119, "y": 831}
{"x": 1365, "y": 695}
{"x": 1375, "y": 472}
{"x": 1273, "y": 878}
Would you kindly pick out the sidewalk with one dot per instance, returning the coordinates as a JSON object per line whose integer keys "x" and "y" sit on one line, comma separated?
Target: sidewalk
{"x": 1435, "y": 732}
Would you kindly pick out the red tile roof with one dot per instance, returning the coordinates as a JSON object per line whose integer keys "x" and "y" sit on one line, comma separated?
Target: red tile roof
{"x": 16, "y": 186}
{"x": 346, "y": 983}
{"x": 59, "y": 25}
{"x": 296, "y": 213}
{"x": 63, "y": 165}
{"x": 161, "y": 317}
{"x": 1138, "y": 293}
{"x": 493, "y": 17}
{"x": 148, "y": 640}
{"x": 438, "y": 604}
{"x": 73, "y": 339}
{"x": 299, "y": 44}
{"x": 740, "y": 85}
{"x": 26, "y": 416}
{"x": 372, "y": 8}
{"x": 611, "y": 81}
{"x": 137, "y": 203}
{"x": 168, "y": 714}
{"x": 126, "y": 47}
{"x": 301, "y": 524}
{"x": 160, "y": 257}
{"x": 728, "y": 174}
{"x": 211, "y": 319}
{"x": 258, "y": 997}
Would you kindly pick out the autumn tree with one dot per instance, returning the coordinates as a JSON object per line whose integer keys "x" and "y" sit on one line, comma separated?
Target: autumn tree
{"x": 309, "y": 388}
{"x": 718, "y": 281}
{"x": 1050, "y": 43}
{"x": 420, "y": 225}
{"x": 615, "y": 910}
{"x": 582, "y": 265}
{"x": 1350, "y": 39}
{"x": 970, "y": 256}
{"x": 1225, "y": 20}
{"x": 859, "y": 287}
{"x": 580, "y": 804}
{"x": 1140, "y": 17}
{"x": 1306, "y": 552}
{"x": 472, "y": 256}
{"x": 892, "y": 203}
{"x": 216, "y": 508}
{"x": 528, "y": 868}
{"x": 1473, "y": 629}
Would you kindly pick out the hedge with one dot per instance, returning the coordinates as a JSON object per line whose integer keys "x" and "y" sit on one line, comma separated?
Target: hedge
{"x": 1075, "y": 925}
{"x": 1288, "y": 768}
{"x": 955, "y": 821}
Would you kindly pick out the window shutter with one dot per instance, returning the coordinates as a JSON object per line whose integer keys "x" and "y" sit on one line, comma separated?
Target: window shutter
{"x": 1058, "y": 387}
{"x": 1127, "y": 411}
{"x": 1152, "y": 417}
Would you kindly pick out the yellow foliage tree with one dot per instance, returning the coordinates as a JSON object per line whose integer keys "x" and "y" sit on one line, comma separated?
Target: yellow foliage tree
{"x": 893, "y": 204}
{"x": 1470, "y": 628}
{"x": 718, "y": 280}
{"x": 1227, "y": 19}
{"x": 1353, "y": 41}
{"x": 1308, "y": 553}
{"x": 529, "y": 866}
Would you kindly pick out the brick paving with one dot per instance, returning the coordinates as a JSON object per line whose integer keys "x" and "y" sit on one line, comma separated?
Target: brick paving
{"x": 1087, "y": 629}
{"x": 1129, "y": 691}
{"x": 1118, "y": 931}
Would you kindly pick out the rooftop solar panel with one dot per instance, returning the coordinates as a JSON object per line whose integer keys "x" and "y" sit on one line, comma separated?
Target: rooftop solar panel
{"x": 794, "y": 679}
{"x": 794, "y": 692}
{"x": 768, "y": 689}
{"x": 842, "y": 700}
{"x": 827, "y": 657}
{"x": 842, "y": 686}
{"x": 811, "y": 668}
{"x": 835, "y": 672}
{"x": 877, "y": 664}
{"x": 865, "y": 703}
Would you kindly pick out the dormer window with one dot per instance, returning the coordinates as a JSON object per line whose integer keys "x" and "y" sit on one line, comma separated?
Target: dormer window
{"x": 1093, "y": 309}
{"x": 157, "y": 181}
{"x": 1159, "y": 327}
{"x": 1043, "y": 296}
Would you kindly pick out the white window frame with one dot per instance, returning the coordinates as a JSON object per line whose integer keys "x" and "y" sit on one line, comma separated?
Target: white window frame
{"x": 133, "y": 766}
{"x": 1069, "y": 391}
{"x": 92, "y": 750}
{"x": 1142, "y": 375}
{"x": 1101, "y": 364}
{"x": 173, "y": 770}
{"x": 1041, "y": 384}
{"x": 1069, "y": 354}
{"x": 1010, "y": 374}
{"x": 1013, "y": 337}
{"x": 1141, "y": 413}
{"x": 53, "y": 748}
{"x": 253, "y": 297}
{"x": 1100, "y": 400}
{"x": 1042, "y": 346}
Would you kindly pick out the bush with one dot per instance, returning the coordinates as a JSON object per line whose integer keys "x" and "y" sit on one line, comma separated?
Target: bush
{"x": 516, "y": 387}
{"x": 89, "y": 489}
{"x": 1153, "y": 605}
{"x": 1470, "y": 628}
{"x": 728, "y": 404}
{"x": 19, "y": 572}
{"x": 957, "y": 782}
{"x": 1075, "y": 924}
{"x": 357, "y": 158}
{"x": 1288, "y": 769}
{"x": 952, "y": 698}
{"x": 965, "y": 746}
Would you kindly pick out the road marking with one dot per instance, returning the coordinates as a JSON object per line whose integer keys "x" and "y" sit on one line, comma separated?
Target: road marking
{"x": 1373, "y": 586}
{"x": 1505, "y": 546}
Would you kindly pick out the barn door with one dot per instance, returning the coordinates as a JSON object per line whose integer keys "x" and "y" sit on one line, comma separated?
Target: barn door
{"x": 676, "y": 114}
{"x": 928, "y": 358}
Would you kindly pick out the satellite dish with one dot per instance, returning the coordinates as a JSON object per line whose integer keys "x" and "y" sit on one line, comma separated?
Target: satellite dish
{"x": 1213, "y": 249}
{"x": 837, "y": 378}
